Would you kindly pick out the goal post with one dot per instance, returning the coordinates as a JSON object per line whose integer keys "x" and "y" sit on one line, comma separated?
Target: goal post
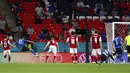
{"x": 122, "y": 28}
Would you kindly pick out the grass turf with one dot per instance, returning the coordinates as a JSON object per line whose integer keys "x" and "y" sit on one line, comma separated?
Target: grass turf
{"x": 63, "y": 68}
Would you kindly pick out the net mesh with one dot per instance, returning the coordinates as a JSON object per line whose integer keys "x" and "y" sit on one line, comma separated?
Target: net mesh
{"x": 122, "y": 28}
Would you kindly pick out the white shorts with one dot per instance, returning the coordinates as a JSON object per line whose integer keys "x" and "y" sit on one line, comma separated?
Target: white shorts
{"x": 53, "y": 49}
{"x": 73, "y": 50}
{"x": 6, "y": 52}
{"x": 96, "y": 52}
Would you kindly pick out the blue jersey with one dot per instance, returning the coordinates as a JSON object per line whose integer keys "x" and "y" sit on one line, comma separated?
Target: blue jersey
{"x": 117, "y": 42}
{"x": 105, "y": 52}
{"x": 21, "y": 43}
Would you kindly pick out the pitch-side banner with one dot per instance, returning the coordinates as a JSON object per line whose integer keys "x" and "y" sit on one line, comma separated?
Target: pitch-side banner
{"x": 29, "y": 58}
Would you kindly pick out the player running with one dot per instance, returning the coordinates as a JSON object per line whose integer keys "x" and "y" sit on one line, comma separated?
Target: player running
{"x": 96, "y": 44}
{"x": 22, "y": 45}
{"x": 118, "y": 47}
{"x": 74, "y": 45}
{"x": 53, "y": 47}
{"x": 5, "y": 44}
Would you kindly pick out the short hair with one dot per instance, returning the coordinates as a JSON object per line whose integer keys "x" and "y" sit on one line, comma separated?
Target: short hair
{"x": 72, "y": 33}
{"x": 96, "y": 31}
{"x": 116, "y": 34}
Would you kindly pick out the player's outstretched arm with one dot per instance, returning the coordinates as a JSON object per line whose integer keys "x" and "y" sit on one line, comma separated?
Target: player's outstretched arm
{"x": 57, "y": 47}
{"x": 48, "y": 43}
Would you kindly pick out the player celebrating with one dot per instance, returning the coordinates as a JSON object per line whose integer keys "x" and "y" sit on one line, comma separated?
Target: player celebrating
{"x": 5, "y": 44}
{"x": 73, "y": 40}
{"x": 117, "y": 46}
{"x": 21, "y": 44}
{"x": 53, "y": 47}
{"x": 96, "y": 44}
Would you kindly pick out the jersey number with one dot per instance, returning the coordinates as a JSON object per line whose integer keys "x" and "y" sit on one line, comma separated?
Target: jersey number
{"x": 95, "y": 40}
{"x": 72, "y": 41}
{"x": 5, "y": 44}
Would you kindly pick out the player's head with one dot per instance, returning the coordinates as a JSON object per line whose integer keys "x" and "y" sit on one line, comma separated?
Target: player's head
{"x": 72, "y": 33}
{"x": 116, "y": 35}
{"x": 52, "y": 38}
{"x": 96, "y": 32}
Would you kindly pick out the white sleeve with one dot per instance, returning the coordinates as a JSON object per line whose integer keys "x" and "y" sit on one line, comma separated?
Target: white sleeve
{"x": 90, "y": 38}
{"x": 8, "y": 42}
{"x": 67, "y": 40}
{"x": 76, "y": 39}
{"x": 1, "y": 43}
{"x": 100, "y": 39}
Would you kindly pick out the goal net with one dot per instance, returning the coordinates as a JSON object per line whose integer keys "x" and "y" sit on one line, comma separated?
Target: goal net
{"x": 122, "y": 28}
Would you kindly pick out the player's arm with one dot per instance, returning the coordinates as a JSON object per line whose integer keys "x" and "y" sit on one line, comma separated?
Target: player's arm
{"x": 122, "y": 44}
{"x": 91, "y": 41}
{"x": 57, "y": 47}
{"x": 48, "y": 43}
{"x": 67, "y": 40}
{"x": 77, "y": 42}
{"x": 100, "y": 42}
{"x": 12, "y": 45}
{"x": 113, "y": 48}
{"x": 1, "y": 44}
{"x": 30, "y": 41}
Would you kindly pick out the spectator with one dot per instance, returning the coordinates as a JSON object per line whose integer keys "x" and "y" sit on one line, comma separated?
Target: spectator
{"x": 19, "y": 9}
{"x": 80, "y": 4}
{"x": 126, "y": 18}
{"x": 49, "y": 35}
{"x": 34, "y": 37}
{"x": 114, "y": 12}
{"x": 38, "y": 20}
{"x": 39, "y": 11}
{"x": 98, "y": 8}
{"x": 2, "y": 25}
{"x": 73, "y": 15}
{"x": 44, "y": 30}
{"x": 30, "y": 30}
{"x": 103, "y": 36}
{"x": 42, "y": 3}
{"x": 61, "y": 36}
{"x": 15, "y": 4}
{"x": 42, "y": 35}
{"x": 93, "y": 30}
{"x": 78, "y": 31}
{"x": 65, "y": 20}
{"x": 51, "y": 8}
{"x": 72, "y": 29}
{"x": 102, "y": 13}
{"x": 19, "y": 23}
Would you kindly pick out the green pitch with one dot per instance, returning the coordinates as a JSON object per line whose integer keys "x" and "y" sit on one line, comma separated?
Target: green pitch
{"x": 63, "y": 68}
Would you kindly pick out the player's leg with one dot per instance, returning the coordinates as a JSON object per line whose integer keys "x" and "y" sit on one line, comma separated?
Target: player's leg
{"x": 48, "y": 53}
{"x": 103, "y": 58}
{"x": 98, "y": 55}
{"x": 5, "y": 53}
{"x": 128, "y": 50}
{"x": 75, "y": 55}
{"x": 94, "y": 55}
{"x": 119, "y": 54}
{"x": 9, "y": 55}
{"x": 54, "y": 54}
{"x": 72, "y": 54}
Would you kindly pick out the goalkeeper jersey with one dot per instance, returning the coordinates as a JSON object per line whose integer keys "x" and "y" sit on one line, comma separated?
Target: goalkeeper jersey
{"x": 127, "y": 40}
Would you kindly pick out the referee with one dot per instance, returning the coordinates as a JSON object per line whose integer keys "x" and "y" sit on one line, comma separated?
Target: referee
{"x": 127, "y": 42}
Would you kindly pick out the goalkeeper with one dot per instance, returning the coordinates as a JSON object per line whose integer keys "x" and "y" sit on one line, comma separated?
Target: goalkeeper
{"x": 127, "y": 42}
